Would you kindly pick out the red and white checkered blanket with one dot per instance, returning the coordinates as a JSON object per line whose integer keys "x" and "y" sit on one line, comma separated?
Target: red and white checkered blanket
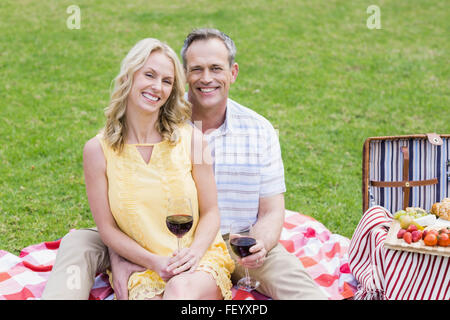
{"x": 324, "y": 255}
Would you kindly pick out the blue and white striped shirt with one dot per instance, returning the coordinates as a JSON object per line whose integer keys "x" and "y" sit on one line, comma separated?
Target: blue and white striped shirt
{"x": 247, "y": 163}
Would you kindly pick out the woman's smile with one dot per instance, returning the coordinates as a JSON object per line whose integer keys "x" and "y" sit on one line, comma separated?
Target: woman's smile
{"x": 151, "y": 97}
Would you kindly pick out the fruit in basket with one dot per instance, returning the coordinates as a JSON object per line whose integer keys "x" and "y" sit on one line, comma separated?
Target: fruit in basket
{"x": 398, "y": 214}
{"x": 444, "y": 240}
{"x": 416, "y": 235}
{"x": 416, "y": 211}
{"x": 411, "y": 228}
{"x": 405, "y": 221}
{"x": 400, "y": 233}
{"x": 412, "y": 222}
{"x": 430, "y": 239}
{"x": 407, "y": 237}
{"x": 406, "y": 218}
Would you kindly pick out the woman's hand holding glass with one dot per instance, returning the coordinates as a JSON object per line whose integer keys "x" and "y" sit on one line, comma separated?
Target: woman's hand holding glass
{"x": 186, "y": 259}
{"x": 161, "y": 267}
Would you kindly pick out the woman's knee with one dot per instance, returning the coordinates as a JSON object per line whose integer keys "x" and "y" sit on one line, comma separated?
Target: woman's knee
{"x": 178, "y": 287}
{"x": 194, "y": 286}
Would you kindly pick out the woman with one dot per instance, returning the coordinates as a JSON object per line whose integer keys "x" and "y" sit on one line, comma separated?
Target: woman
{"x": 141, "y": 158}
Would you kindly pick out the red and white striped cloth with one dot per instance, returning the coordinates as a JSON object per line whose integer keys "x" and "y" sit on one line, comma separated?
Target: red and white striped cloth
{"x": 324, "y": 255}
{"x": 384, "y": 273}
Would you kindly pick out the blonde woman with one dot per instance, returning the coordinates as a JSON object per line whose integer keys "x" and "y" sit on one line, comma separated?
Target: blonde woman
{"x": 140, "y": 159}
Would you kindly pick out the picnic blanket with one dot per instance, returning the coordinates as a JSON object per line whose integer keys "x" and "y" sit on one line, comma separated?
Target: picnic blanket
{"x": 324, "y": 255}
{"x": 383, "y": 273}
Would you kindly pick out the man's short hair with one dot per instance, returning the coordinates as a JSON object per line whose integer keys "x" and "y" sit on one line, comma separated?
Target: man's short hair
{"x": 206, "y": 34}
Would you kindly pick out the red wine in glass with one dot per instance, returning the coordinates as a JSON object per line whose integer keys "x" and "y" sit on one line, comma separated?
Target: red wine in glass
{"x": 241, "y": 240}
{"x": 241, "y": 246}
{"x": 179, "y": 219}
{"x": 179, "y": 224}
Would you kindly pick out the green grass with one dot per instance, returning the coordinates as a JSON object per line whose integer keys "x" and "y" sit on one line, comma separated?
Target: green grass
{"x": 313, "y": 68}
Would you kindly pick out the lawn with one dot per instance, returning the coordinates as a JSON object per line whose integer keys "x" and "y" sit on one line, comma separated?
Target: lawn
{"x": 313, "y": 68}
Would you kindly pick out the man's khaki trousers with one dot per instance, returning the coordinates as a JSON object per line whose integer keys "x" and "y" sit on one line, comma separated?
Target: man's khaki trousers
{"x": 82, "y": 255}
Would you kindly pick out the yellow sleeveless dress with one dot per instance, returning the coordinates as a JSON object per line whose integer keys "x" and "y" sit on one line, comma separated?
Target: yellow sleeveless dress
{"x": 138, "y": 196}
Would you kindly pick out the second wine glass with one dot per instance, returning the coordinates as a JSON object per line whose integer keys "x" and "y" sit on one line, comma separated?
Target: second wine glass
{"x": 241, "y": 240}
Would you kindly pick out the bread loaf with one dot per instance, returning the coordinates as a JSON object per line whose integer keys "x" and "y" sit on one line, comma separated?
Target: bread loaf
{"x": 442, "y": 209}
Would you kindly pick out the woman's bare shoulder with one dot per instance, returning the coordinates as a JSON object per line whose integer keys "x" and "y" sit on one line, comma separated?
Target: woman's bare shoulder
{"x": 93, "y": 152}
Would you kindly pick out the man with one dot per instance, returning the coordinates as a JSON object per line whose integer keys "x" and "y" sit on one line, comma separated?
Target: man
{"x": 249, "y": 175}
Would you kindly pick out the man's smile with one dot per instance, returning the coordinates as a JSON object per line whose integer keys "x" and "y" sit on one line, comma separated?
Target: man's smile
{"x": 207, "y": 89}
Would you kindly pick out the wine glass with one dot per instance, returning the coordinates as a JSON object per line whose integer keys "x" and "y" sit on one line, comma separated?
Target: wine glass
{"x": 179, "y": 217}
{"x": 241, "y": 240}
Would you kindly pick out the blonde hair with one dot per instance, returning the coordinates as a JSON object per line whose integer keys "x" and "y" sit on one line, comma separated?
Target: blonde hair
{"x": 175, "y": 111}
